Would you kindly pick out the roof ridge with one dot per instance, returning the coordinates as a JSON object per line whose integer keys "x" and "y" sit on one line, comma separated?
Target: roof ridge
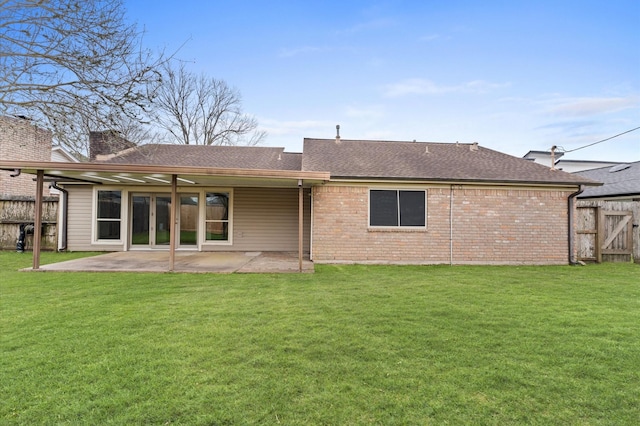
{"x": 389, "y": 141}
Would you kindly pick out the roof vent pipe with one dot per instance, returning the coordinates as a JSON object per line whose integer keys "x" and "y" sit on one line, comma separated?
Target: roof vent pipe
{"x": 474, "y": 146}
{"x": 337, "y": 133}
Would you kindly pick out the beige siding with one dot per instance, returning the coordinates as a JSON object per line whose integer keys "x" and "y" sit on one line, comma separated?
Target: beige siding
{"x": 266, "y": 219}
{"x": 80, "y": 221}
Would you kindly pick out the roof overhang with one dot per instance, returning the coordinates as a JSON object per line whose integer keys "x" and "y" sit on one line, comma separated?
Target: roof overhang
{"x": 142, "y": 175}
{"x": 459, "y": 181}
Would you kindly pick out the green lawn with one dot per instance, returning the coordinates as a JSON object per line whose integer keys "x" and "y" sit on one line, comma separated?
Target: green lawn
{"x": 347, "y": 345}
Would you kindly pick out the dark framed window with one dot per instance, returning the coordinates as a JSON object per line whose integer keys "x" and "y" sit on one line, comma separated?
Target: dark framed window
{"x": 217, "y": 216}
{"x": 397, "y": 207}
{"x": 108, "y": 215}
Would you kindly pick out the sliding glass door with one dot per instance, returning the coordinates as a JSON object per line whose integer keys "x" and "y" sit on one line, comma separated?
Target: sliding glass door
{"x": 151, "y": 220}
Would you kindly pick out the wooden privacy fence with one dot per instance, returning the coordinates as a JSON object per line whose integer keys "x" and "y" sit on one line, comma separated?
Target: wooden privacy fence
{"x": 15, "y": 211}
{"x": 607, "y": 231}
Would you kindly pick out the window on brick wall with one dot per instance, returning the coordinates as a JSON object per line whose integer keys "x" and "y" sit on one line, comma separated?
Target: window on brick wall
{"x": 397, "y": 208}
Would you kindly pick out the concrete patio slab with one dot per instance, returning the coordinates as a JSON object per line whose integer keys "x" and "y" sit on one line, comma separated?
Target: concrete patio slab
{"x": 203, "y": 262}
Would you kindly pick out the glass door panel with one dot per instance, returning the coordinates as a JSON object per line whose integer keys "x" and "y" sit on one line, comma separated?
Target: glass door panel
{"x": 141, "y": 208}
{"x": 188, "y": 219}
{"x": 163, "y": 219}
{"x": 151, "y": 220}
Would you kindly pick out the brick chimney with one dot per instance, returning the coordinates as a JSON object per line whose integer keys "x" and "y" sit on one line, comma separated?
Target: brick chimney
{"x": 107, "y": 142}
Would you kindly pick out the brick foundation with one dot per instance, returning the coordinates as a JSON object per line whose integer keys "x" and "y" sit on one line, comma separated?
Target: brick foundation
{"x": 490, "y": 226}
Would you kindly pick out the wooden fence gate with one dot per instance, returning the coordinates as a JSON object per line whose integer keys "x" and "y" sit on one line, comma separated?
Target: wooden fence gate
{"x": 604, "y": 235}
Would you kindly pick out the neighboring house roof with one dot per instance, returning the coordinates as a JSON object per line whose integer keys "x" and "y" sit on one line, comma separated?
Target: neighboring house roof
{"x": 225, "y": 157}
{"x": 619, "y": 181}
{"x": 572, "y": 166}
{"x": 426, "y": 161}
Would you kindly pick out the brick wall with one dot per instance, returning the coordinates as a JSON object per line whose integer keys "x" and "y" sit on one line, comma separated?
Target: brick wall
{"x": 20, "y": 140}
{"x": 490, "y": 226}
{"x": 106, "y": 142}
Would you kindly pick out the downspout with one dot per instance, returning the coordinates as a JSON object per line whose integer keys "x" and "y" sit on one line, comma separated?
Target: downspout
{"x": 451, "y": 225}
{"x": 65, "y": 216}
{"x": 572, "y": 261}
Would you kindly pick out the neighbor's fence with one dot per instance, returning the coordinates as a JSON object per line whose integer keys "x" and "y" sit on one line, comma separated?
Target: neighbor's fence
{"x": 608, "y": 231}
{"x": 16, "y": 210}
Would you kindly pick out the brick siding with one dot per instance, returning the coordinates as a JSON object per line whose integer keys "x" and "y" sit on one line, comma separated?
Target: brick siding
{"x": 105, "y": 143}
{"x": 490, "y": 226}
{"x": 21, "y": 140}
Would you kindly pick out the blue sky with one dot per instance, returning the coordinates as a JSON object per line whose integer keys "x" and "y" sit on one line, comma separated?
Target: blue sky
{"x": 511, "y": 75}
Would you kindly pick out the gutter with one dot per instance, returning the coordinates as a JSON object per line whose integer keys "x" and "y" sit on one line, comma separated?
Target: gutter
{"x": 65, "y": 217}
{"x": 456, "y": 181}
{"x": 570, "y": 234}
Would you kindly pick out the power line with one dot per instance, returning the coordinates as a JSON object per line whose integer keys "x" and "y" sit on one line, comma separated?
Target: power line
{"x": 603, "y": 140}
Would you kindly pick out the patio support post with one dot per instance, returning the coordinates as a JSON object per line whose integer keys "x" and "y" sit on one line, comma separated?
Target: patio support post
{"x": 300, "y": 223}
{"x": 174, "y": 219}
{"x": 37, "y": 225}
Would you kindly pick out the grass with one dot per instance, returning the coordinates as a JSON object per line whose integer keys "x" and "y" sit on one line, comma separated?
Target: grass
{"x": 346, "y": 345}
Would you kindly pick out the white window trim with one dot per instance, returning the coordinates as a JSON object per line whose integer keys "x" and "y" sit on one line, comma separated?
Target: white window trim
{"x": 397, "y": 227}
{"x": 124, "y": 205}
{"x": 203, "y": 214}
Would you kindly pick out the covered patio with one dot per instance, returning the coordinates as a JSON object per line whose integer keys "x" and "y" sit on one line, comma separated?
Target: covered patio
{"x": 195, "y": 262}
{"x": 164, "y": 179}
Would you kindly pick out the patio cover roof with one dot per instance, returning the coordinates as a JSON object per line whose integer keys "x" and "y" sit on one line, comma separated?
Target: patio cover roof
{"x": 145, "y": 174}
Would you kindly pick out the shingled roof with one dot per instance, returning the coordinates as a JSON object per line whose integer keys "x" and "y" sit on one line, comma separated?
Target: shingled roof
{"x": 224, "y": 157}
{"x": 426, "y": 161}
{"x": 358, "y": 159}
{"x": 622, "y": 180}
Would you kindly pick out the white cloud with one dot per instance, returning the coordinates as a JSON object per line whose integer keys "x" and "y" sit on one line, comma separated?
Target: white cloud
{"x": 580, "y": 107}
{"x": 419, "y": 86}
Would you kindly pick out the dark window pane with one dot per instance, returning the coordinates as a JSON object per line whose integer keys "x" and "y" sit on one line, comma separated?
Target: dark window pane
{"x": 412, "y": 212}
{"x": 383, "y": 208}
{"x": 140, "y": 219}
{"x": 108, "y": 230}
{"x": 217, "y": 206}
{"x": 109, "y": 204}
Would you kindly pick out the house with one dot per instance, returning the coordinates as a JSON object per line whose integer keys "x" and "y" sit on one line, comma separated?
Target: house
{"x": 620, "y": 182}
{"x": 59, "y": 154}
{"x": 547, "y": 158}
{"x": 21, "y": 140}
{"x": 337, "y": 201}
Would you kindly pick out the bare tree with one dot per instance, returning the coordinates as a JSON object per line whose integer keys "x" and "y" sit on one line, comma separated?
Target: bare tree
{"x": 200, "y": 110}
{"x": 73, "y": 66}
